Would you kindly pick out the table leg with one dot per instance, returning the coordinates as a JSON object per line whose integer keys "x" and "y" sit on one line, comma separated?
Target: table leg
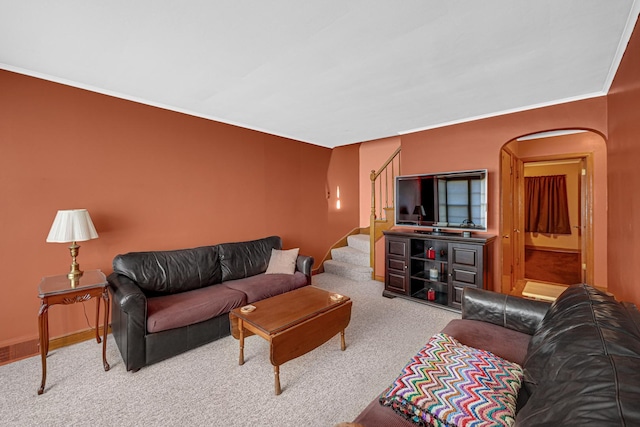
{"x": 105, "y": 328}
{"x": 241, "y": 331}
{"x": 43, "y": 326}
{"x": 276, "y": 374}
{"x": 46, "y": 330}
{"x": 343, "y": 345}
{"x": 97, "y": 319}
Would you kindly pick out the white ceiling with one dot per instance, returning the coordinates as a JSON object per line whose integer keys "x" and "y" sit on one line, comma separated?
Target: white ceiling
{"x": 327, "y": 72}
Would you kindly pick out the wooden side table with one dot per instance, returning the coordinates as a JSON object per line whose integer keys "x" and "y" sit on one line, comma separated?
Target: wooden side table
{"x": 60, "y": 290}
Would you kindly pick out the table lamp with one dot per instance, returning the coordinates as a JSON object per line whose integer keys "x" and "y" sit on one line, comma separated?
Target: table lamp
{"x": 71, "y": 226}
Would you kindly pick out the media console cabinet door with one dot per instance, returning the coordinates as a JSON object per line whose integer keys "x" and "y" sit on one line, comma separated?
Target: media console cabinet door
{"x": 397, "y": 252}
{"x": 466, "y": 270}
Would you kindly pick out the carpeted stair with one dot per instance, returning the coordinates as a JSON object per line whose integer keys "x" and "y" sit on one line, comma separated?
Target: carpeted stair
{"x": 351, "y": 261}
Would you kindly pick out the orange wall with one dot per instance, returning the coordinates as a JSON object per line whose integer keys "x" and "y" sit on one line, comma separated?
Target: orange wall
{"x": 373, "y": 154}
{"x": 477, "y": 144}
{"x": 151, "y": 179}
{"x": 624, "y": 175}
{"x": 343, "y": 173}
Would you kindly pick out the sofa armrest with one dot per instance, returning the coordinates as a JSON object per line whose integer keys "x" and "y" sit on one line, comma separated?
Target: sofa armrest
{"x": 516, "y": 313}
{"x": 304, "y": 264}
{"x": 127, "y": 295}
{"x": 128, "y": 319}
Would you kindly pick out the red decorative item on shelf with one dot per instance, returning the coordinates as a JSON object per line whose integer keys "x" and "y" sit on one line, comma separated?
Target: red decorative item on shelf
{"x": 431, "y": 253}
{"x": 431, "y": 294}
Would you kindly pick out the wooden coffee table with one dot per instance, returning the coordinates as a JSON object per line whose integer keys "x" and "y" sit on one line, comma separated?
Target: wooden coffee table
{"x": 294, "y": 323}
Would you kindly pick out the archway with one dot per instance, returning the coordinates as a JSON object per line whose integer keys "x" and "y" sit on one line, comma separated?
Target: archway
{"x": 581, "y": 154}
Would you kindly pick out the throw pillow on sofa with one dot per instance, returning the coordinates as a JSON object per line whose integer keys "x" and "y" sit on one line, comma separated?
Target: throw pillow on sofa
{"x": 282, "y": 261}
{"x": 450, "y": 384}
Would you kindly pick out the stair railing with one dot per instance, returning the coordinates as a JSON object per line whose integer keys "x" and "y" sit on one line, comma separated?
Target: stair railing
{"x": 382, "y": 182}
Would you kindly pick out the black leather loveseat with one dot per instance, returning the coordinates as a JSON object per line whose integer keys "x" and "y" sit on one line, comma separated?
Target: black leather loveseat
{"x": 168, "y": 302}
{"x": 580, "y": 357}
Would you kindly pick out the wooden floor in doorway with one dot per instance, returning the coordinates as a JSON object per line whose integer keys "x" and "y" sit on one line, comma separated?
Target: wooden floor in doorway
{"x": 552, "y": 266}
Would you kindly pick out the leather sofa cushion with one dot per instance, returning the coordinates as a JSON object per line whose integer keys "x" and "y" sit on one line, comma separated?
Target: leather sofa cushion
{"x": 167, "y": 272}
{"x": 506, "y": 343}
{"x": 582, "y": 363}
{"x": 243, "y": 259}
{"x": 186, "y": 308}
{"x": 264, "y": 286}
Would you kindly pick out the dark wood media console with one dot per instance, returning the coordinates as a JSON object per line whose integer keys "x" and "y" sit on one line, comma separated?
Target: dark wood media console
{"x": 453, "y": 263}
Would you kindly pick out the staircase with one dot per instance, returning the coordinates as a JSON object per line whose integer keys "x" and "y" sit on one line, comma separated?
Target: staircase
{"x": 351, "y": 261}
{"x": 356, "y": 260}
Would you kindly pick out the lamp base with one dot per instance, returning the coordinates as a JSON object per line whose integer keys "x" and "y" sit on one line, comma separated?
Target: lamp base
{"x": 75, "y": 275}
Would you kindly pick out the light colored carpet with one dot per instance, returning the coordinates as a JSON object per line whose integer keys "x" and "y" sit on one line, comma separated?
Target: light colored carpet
{"x": 206, "y": 386}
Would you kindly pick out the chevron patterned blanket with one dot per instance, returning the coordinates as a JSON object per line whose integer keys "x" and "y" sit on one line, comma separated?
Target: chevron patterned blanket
{"x": 450, "y": 384}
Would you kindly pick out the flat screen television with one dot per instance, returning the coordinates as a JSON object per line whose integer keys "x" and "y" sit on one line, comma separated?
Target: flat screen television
{"x": 442, "y": 201}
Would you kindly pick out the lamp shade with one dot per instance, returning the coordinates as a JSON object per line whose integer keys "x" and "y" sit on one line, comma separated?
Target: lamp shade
{"x": 419, "y": 210}
{"x": 72, "y": 225}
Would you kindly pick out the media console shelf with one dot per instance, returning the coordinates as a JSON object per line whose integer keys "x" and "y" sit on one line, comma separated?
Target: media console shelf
{"x": 445, "y": 263}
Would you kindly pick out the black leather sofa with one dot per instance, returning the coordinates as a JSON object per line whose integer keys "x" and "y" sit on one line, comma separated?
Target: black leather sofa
{"x": 167, "y": 302}
{"x": 580, "y": 356}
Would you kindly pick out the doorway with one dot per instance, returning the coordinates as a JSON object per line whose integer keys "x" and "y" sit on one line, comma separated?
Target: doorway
{"x": 551, "y": 258}
{"x": 555, "y": 257}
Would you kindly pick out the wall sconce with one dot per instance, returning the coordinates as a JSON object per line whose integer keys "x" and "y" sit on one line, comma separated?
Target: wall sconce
{"x": 71, "y": 226}
{"x": 338, "y": 197}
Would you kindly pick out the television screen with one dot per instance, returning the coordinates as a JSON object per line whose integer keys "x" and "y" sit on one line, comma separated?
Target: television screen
{"x": 449, "y": 200}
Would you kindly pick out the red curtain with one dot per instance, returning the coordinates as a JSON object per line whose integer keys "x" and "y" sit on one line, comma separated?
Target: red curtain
{"x": 546, "y": 206}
